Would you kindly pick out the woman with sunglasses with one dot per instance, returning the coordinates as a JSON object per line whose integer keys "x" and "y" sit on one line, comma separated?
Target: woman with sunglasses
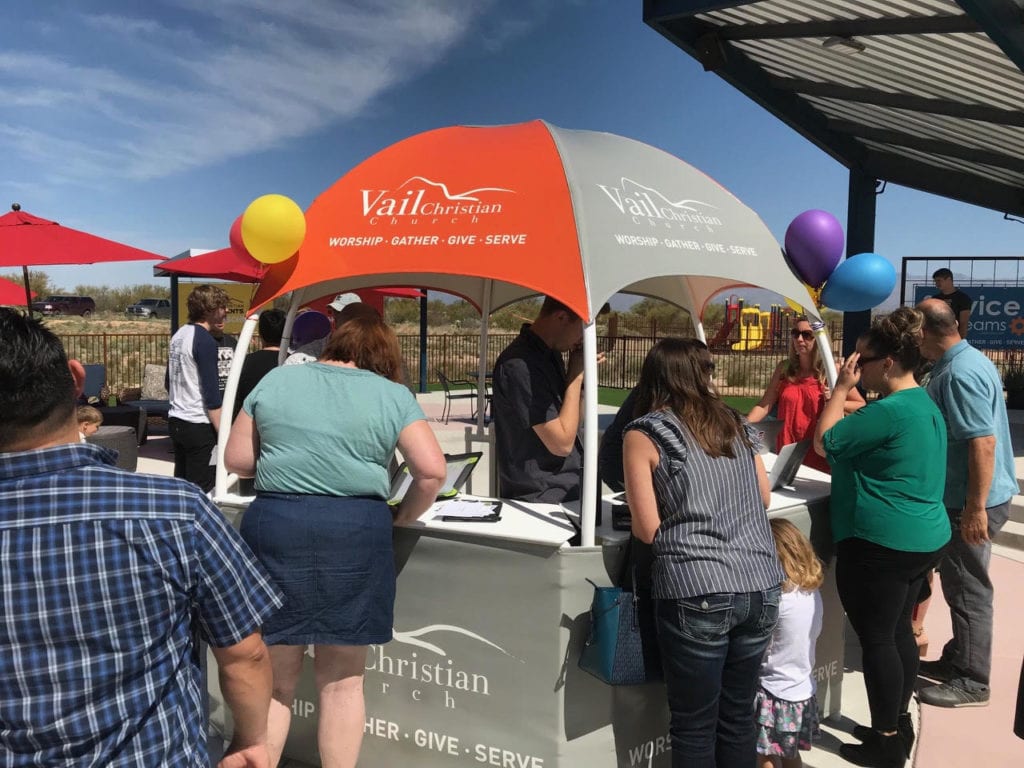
{"x": 799, "y": 390}
{"x": 888, "y": 520}
{"x": 697, "y": 491}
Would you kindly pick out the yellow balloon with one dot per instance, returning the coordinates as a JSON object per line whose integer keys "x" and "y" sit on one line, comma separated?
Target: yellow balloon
{"x": 273, "y": 228}
{"x": 794, "y": 306}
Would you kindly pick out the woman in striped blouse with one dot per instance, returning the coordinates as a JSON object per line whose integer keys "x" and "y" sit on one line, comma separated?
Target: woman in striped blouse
{"x": 697, "y": 491}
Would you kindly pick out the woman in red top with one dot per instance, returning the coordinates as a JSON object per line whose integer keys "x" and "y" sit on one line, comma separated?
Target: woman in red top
{"x": 799, "y": 390}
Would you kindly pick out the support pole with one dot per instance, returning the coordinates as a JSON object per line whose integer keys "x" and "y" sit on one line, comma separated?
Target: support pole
{"x": 423, "y": 341}
{"x": 588, "y": 498}
{"x": 860, "y": 238}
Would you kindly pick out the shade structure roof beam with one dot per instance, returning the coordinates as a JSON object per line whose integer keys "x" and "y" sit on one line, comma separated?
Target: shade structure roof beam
{"x": 965, "y": 187}
{"x": 905, "y": 101}
{"x": 910, "y": 25}
{"x": 931, "y": 146}
{"x": 1003, "y": 21}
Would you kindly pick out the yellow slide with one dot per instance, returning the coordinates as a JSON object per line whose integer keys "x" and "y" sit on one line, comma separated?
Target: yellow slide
{"x": 752, "y": 331}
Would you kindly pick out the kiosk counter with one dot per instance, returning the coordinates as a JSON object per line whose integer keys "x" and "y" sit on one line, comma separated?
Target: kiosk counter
{"x": 490, "y": 619}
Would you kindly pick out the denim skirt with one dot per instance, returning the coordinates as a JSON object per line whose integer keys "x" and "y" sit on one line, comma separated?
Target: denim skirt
{"x": 333, "y": 559}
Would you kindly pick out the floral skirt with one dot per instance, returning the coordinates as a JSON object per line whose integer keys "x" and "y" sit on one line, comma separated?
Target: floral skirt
{"x": 784, "y": 727}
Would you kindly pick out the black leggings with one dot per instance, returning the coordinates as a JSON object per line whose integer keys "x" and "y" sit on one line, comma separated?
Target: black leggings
{"x": 879, "y": 588}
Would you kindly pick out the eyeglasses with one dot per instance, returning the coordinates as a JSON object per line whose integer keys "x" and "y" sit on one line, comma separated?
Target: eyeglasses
{"x": 709, "y": 366}
{"x": 862, "y": 361}
{"x": 805, "y": 335}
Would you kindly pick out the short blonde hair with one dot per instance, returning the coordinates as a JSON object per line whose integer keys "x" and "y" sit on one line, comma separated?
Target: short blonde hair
{"x": 803, "y": 568}
{"x": 89, "y": 415}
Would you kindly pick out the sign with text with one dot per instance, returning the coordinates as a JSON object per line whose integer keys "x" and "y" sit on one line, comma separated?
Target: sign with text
{"x": 996, "y": 321}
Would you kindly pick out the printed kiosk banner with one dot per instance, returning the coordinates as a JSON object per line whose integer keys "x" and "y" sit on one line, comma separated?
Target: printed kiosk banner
{"x": 483, "y": 669}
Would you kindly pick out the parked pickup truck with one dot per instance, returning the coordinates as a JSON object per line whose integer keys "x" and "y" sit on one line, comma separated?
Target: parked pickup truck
{"x": 150, "y": 308}
{"x": 65, "y": 305}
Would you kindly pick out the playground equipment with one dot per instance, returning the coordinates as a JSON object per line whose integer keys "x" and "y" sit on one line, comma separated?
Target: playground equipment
{"x": 746, "y": 329}
{"x": 754, "y": 329}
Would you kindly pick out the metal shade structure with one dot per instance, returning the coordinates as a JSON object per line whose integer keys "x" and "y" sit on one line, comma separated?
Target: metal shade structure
{"x": 498, "y": 214}
{"x": 923, "y": 93}
{"x": 30, "y": 241}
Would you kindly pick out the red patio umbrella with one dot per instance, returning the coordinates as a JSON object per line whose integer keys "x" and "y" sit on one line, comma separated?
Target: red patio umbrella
{"x": 11, "y": 293}
{"x": 224, "y": 264}
{"x": 228, "y": 264}
{"x": 27, "y": 240}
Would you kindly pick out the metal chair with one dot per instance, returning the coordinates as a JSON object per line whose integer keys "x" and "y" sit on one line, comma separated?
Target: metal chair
{"x": 451, "y": 393}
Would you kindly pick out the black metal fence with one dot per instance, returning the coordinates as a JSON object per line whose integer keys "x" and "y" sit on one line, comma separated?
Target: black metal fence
{"x": 456, "y": 355}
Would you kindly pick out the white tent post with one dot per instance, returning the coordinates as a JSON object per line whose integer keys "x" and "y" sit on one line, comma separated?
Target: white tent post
{"x": 481, "y": 379}
{"x": 825, "y": 350}
{"x": 289, "y": 322}
{"x": 221, "y": 479}
{"x": 589, "y": 497}
{"x": 698, "y": 328}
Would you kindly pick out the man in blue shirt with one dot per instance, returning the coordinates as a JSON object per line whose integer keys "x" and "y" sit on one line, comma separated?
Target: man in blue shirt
{"x": 108, "y": 580}
{"x": 980, "y": 482}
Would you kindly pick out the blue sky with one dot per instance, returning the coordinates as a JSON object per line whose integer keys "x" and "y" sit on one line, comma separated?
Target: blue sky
{"x": 157, "y": 123}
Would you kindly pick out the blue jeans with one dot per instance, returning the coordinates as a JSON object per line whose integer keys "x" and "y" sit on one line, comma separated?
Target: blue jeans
{"x": 711, "y": 651}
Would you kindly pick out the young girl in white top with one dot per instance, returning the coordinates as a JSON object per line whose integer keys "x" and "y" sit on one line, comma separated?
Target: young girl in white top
{"x": 786, "y": 707}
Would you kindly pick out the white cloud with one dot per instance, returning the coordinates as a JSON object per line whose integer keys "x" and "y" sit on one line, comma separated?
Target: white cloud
{"x": 148, "y": 97}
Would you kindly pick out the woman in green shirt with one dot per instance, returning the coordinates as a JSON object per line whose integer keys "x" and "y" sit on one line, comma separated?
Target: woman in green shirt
{"x": 888, "y": 474}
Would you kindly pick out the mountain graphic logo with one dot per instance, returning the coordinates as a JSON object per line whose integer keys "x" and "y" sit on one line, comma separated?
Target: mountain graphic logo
{"x": 414, "y": 638}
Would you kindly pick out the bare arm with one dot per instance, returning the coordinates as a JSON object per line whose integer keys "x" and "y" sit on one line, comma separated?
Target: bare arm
{"x": 762, "y": 481}
{"x": 559, "y": 434}
{"x": 963, "y": 322}
{"x": 243, "y": 446}
{"x": 426, "y": 464}
{"x": 854, "y": 401}
{"x": 981, "y": 459}
{"x": 835, "y": 406}
{"x": 768, "y": 399}
{"x": 639, "y": 460}
{"x": 246, "y": 681}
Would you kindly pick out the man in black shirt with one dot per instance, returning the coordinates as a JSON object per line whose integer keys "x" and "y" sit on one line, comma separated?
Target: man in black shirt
{"x": 957, "y": 300}
{"x": 536, "y": 408}
{"x": 261, "y": 362}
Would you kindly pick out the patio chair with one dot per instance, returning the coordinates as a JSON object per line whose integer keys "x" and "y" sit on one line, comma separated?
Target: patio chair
{"x": 154, "y": 391}
{"x": 95, "y": 381}
{"x": 451, "y": 392}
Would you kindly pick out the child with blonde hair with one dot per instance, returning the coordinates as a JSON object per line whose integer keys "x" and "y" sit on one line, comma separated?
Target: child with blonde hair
{"x": 89, "y": 420}
{"x": 785, "y": 706}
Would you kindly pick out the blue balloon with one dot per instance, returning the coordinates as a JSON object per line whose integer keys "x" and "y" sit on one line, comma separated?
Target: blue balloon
{"x": 858, "y": 283}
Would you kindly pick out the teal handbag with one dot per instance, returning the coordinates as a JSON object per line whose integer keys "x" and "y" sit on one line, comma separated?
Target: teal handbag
{"x": 622, "y": 645}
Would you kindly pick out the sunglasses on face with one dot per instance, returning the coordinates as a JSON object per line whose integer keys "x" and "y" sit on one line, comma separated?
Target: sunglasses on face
{"x": 805, "y": 335}
{"x": 862, "y": 361}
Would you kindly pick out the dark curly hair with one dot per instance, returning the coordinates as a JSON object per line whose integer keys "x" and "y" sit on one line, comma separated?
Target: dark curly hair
{"x": 897, "y": 335}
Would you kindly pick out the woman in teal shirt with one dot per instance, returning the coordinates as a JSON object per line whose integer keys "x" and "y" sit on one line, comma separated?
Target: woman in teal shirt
{"x": 888, "y": 475}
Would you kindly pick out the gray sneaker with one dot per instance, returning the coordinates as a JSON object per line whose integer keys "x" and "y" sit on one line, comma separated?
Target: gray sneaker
{"x": 940, "y": 670}
{"x": 955, "y": 693}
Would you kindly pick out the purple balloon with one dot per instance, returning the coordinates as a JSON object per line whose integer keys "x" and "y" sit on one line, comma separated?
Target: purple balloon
{"x": 814, "y": 246}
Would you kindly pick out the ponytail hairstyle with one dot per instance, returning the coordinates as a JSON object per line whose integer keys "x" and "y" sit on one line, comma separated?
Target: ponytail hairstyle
{"x": 676, "y": 376}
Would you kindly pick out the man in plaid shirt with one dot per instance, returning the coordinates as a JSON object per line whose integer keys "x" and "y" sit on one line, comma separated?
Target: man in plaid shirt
{"x": 106, "y": 580}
